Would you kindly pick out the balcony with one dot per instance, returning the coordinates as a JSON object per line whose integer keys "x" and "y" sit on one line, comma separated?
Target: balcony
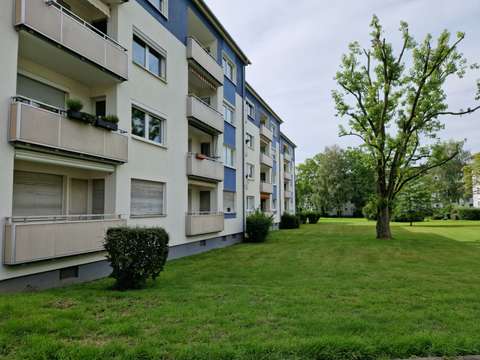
{"x": 204, "y": 168}
{"x": 266, "y": 132}
{"x": 79, "y": 42}
{"x": 204, "y": 223}
{"x": 266, "y": 188}
{"x": 287, "y": 176}
{"x": 204, "y": 116}
{"x": 266, "y": 160}
{"x": 287, "y": 156}
{"x": 34, "y": 123}
{"x": 32, "y": 239}
{"x": 204, "y": 62}
{"x": 288, "y": 194}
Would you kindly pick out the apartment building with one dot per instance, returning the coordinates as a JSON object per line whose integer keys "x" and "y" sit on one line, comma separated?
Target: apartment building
{"x": 476, "y": 191}
{"x": 177, "y": 158}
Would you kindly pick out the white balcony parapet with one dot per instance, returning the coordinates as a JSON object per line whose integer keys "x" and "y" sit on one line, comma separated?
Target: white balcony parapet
{"x": 266, "y": 160}
{"x": 200, "y": 223}
{"x": 287, "y": 156}
{"x": 266, "y": 188}
{"x": 32, "y": 122}
{"x": 204, "y": 60}
{"x": 204, "y": 115}
{"x": 204, "y": 167}
{"x": 288, "y": 194}
{"x": 35, "y": 238}
{"x": 266, "y": 132}
{"x": 287, "y": 175}
{"x": 56, "y": 23}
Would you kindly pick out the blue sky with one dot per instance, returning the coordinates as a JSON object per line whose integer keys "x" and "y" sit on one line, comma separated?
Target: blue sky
{"x": 295, "y": 48}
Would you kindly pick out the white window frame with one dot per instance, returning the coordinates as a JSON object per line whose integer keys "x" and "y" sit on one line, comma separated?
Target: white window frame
{"x": 251, "y": 142}
{"x": 273, "y": 127}
{"x": 234, "y": 207}
{"x": 149, "y": 44}
{"x": 225, "y": 146}
{"x": 163, "y": 7}
{"x": 226, "y": 60}
{"x": 250, "y": 171}
{"x": 148, "y": 115}
{"x": 228, "y": 106}
{"x": 252, "y": 198}
{"x": 252, "y": 106}
{"x": 164, "y": 200}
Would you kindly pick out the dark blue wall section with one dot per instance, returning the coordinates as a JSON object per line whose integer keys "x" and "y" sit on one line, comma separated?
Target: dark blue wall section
{"x": 229, "y": 135}
{"x": 230, "y": 180}
{"x": 229, "y": 91}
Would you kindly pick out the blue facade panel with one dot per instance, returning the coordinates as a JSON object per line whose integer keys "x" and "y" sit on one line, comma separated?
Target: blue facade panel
{"x": 229, "y": 135}
{"x": 229, "y": 91}
{"x": 230, "y": 179}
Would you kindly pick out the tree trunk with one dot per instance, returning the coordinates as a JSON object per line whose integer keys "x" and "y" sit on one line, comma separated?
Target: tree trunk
{"x": 383, "y": 222}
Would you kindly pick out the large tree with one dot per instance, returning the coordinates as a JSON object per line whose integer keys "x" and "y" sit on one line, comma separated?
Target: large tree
{"x": 394, "y": 103}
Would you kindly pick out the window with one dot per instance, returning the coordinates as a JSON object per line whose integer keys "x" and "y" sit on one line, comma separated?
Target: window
{"x": 39, "y": 91}
{"x": 250, "y": 109}
{"x": 250, "y": 141}
{"x": 160, "y": 5}
{"x": 228, "y": 114}
{"x": 274, "y": 205}
{"x": 147, "y": 198}
{"x": 37, "y": 194}
{"x": 229, "y": 68}
{"x": 250, "y": 171}
{"x": 274, "y": 177}
{"x": 250, "y": 203}
{"x": 273, "y": 127}
{"x": 228, "y": 202}
{"x": 148, "y": 58}
{"x": 148, "y": 126}
{"x": 100, "y": 107}
{"x": 229, "y": 156}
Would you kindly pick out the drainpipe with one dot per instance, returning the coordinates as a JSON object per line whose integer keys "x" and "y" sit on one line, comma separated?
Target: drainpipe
{"x": 244, "y": 213}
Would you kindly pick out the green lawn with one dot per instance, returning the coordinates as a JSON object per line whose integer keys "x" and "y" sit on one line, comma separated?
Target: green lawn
{"x": 326, "y": 291}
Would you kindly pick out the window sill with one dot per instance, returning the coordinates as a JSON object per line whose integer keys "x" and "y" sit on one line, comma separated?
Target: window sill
{"x": 231, "y": 124}
{"x": 164, "y": 80}
{"x": 230, "y": 167}
{"x": 234, "y": 82}
{"x": 150, "y": 142}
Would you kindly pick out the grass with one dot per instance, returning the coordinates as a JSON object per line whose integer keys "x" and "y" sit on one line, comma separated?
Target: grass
{"x": 325, "y": 291}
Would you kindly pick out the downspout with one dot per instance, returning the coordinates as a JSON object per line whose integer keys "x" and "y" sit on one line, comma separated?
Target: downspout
{"x": 244, "y": 212}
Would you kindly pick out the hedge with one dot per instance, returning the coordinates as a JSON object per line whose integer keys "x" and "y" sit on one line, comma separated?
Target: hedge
{"x": 289, "y": 221}
{"x": 258, "y": 227}
{"x": 136, "y": 254}
{"x": 468, "y": 213}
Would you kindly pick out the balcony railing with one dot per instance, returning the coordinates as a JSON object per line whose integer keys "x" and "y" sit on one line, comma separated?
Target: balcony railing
{"x": 287, "y": 175}
{"x": 266, "y": 188}
{"x": 30, "y": 239}
{"x": 288, "y": 194}
{"x": 266, "y": 160}
{"x": 203, "y": 167}
{"x": 56, "y": 23}
{"x": 266, "y": 132}
{"x": 204, "y": 115}
{"x": 204, "y": 60}
{"x": 287, "y": 156}
{"x": 35, "y": 123}
{"x": 200, "y": 223}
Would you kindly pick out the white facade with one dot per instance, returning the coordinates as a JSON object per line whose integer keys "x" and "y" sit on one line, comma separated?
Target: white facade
{"x": 476, "y": 192}
{"x": 63, "y": 183}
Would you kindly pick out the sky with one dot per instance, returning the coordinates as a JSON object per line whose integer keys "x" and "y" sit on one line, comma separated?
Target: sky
{"x": 296, "y": 47}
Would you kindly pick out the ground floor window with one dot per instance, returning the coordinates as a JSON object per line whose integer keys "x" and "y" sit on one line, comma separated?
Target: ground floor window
{"x": 147, "y": 198}
{"x": 229, "y": 202}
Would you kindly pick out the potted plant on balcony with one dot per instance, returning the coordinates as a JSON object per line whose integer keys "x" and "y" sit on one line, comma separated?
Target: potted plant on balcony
{"x": 201, "y": 156}
{"x": 109, "y": 122}
{"x": 74, "y": 111}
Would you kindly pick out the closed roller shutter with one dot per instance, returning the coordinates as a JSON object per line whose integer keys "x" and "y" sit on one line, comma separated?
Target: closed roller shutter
{"x": 147, "y": 198}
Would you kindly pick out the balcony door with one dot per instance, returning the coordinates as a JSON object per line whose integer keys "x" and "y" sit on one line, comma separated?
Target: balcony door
{"x": 78, "y": 197}
{"x": 205, "y": 201}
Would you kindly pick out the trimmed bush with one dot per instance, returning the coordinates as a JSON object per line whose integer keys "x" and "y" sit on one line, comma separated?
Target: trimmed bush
{"x": 258, "y": 227}
{"x": 313, "y": 217}
{"x": 303, "y": 217}
{"x": 289, "y": 221}
{"x": 136, "y": 254}
{"x": 469, "y": 213}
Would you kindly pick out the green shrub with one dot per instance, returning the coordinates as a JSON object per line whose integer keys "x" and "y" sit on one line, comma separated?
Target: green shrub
{"x": 469, "y": 213}
{"x": 136, "y": 254}
{"x": 74, "y": 105}
{"x": 370, "y": 209}
{"x": 258, "y": 227}
{"x": 313, "y": 217}
{"x": 289, "y": 221}
{"x": 303, "y": 217}
{"x": 111, "y": 119}
{"x": 409, "y": 217}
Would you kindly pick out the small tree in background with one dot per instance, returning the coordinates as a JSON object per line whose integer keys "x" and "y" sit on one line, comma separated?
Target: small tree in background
{"x": 393, "y": 108}
{"x": 414, "y": 203}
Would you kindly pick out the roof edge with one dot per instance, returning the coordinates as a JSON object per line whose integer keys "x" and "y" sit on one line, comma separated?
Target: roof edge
{"x": 285, "y": 137}
{"x": 263, "y": 102}
{"x": 203, "y": 7}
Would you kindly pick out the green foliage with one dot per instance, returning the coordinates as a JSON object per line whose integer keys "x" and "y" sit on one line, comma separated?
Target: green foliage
{"x": 469, "y": 213}
{"x": 394, "y": 102}
{"x": 74, "y": 105}
{"x": 370, "y": 209}
{"x": 303, "y": 217}
{"x": 136, "y": 254}
{"x": 471, "y": 170}
{"x": 111, "y": 118}
{"x": 289, "y": 221}
{"x": 258, "y": 227}
{"x": 413, "y": 204}
{"x": 313, "y": 217}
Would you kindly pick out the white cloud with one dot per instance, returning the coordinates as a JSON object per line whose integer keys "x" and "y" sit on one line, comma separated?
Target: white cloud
{"x": 296, "y": 47}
